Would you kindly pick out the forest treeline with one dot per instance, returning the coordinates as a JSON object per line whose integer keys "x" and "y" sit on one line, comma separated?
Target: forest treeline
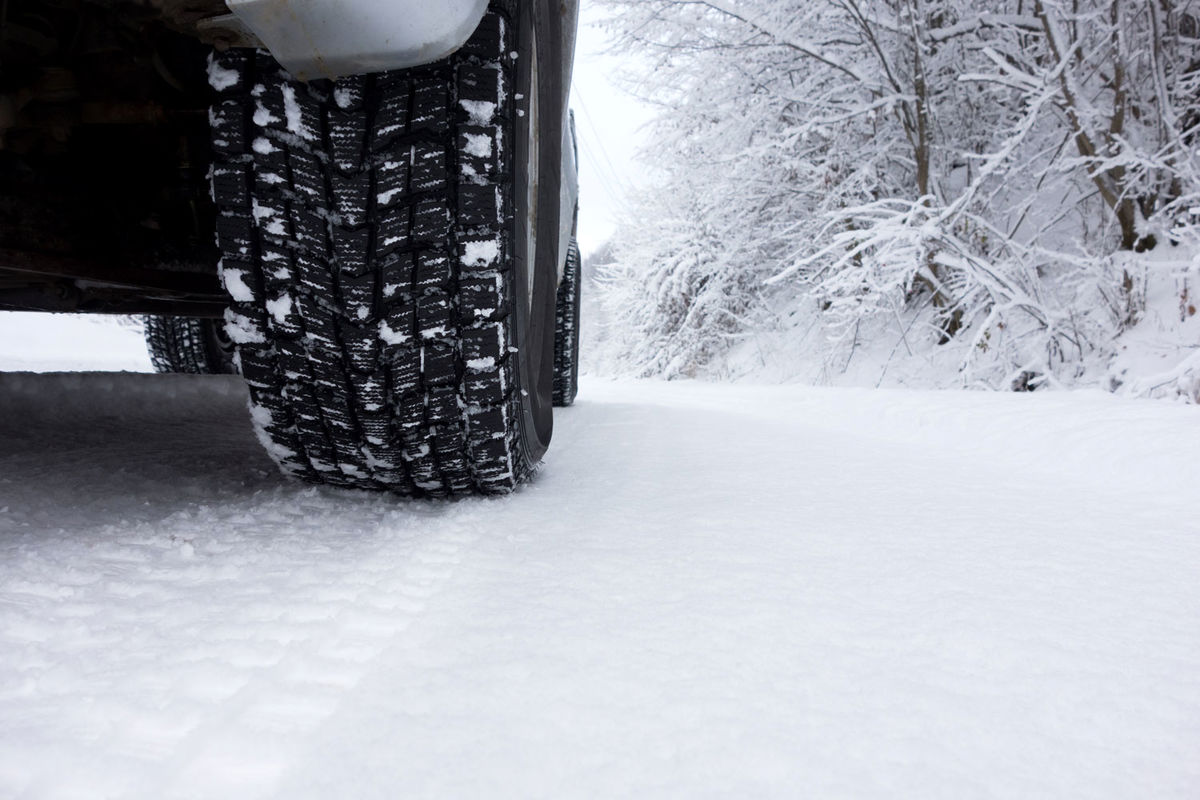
{"x": 1004, "y": 188}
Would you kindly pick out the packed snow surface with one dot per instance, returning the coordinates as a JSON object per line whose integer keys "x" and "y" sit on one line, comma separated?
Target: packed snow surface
{"x": 733, "y": 591}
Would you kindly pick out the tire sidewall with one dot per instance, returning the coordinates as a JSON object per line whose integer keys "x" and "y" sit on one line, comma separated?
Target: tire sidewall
{"x": 534, "y": 323}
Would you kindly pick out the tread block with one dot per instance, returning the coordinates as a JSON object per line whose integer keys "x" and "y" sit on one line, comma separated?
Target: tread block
{"x": 328, "y": 368}
{"x": 392, "y": 232}
{"x": 483, "y": 348}
{"x": 488, "y": 40}
{"x": 269, "y": 155}
{"x": 358, "y": 295}
{"x": 351, "y": 197}
{"x": 391, "y": 115}
{"x": 302, "y": 110}
{"x": 396, "y": 276}
{"x": 433, "y": 270}
{"x": 478, "y": 206}
{"x": 481, "y": 298}
{"x": 228, "y": 121}
{"x": 410, "y": 412}
{"x": 371, "y": 391}
{"x": 450, "y": 447}
{"x": 491, "y": 452}
{"x": 272, "y": 216}
{"x": 434, "y": 316}
{"x": 271, "y": 112}
{"x": 307, "y": 175}
{"x": 486, "y": 425}
{"x": 480, "y": 252}
{"x": 235, "y": 233}
{"x": 430, "y": 105}
{"x": 283, "y": 313}
{"x": 349, "y": 93}
{"x": 313, "y": 273}
{"x": 312, "y": 435}
{"x": 399, "y": 326}
{"x": 258, "y": 368}
{"x": 269, "y": 183}
{"x": 484, "y": 388}
{"x": 268, "y": 69}
{"x": 361, "y": 346}
{"x": 424, "y": 470}
{"x": 347, "y": 137}
{"x": 476, "y": 146}
{"x": 350, "y": 247}
{"x": 293, "y": 359}
{"x": 241, "y": 270}
{"x": 441, "y": 404}
{"x": 274, "y": 402}
{"x": 391, "y": 182}
{"x": 310, "y": 228}
{"x": 277, "y": 264}
{"x": 439, "y": 364}
{"x": 405, "y": 370}
{"x": 431, "y": 222}
{"x": 479, "y": 83}
{"x": 317, "y": 325}
{"x": 231, "y": 186}
{"x": 429, "y": 173}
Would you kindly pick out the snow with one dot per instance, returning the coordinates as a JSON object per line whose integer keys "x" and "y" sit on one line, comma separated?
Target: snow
{"x": 295, "y": 117}
{"x": 390, "y": 336}
{"x": 221, "y": 78}
{"x": 241, "y": 329}
{"x": 481, "y": 112}
{"x": 53, "y": 342}
{"x": 235, "y": 279}
{"x": 385, "y": 197}
{"x": 479, "y": 145}
{"x": 263, "y": 117}
{"x": 280, "y": 308}
{"x": 480, "y": 253}
{"x": 708, "y": 590}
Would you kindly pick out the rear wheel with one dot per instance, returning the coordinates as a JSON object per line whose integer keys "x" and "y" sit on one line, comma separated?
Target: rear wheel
{"x": 388, "y": 249}
{"x": 182, "y": 344}
{"x": 566, "y": 334}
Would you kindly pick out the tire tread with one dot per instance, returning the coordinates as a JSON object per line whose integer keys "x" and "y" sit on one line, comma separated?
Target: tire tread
{"x": 345, "y": 208}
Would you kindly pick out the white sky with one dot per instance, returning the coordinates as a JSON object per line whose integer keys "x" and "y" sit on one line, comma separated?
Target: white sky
{"x": 608, "y": 124}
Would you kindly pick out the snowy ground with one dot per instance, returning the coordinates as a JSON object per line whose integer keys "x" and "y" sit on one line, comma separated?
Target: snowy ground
{"x": 50, "y": 342}
{"x": 709, "y": 591}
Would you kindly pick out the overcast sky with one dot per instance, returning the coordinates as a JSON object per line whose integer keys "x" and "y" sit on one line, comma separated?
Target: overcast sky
{"x": 608, "y": 123}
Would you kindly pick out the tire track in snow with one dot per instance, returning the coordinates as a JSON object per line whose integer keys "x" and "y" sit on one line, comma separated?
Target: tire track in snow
{"x": 192, "y": 635}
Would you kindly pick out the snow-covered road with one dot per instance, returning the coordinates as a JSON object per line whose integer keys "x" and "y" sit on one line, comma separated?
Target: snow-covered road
{"x": 709, "y": 591}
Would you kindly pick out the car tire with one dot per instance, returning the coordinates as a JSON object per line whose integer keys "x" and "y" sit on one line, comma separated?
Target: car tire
{"x": 183, "y": 344}
{"x": 393, "y": 313}
{"x": 566, "y": 329}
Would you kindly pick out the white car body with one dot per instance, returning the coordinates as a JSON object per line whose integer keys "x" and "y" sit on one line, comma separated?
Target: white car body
{"x": 331, "y": 38}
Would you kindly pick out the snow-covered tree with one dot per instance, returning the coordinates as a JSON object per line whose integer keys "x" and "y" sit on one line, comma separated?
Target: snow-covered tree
{"x": 961, "y": 174}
